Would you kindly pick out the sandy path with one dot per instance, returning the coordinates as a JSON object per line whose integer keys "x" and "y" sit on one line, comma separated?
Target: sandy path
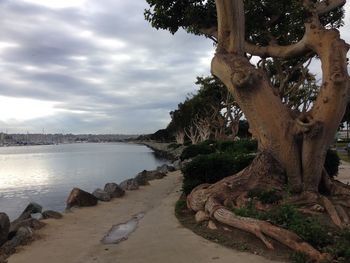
{"x": 159, "y": 237}
{"x": 344, "y": 172}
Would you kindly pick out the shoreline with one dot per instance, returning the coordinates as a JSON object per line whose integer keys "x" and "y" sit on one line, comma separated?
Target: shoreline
{"x": 159, "y": 236}
{"x": 162, "y": 150}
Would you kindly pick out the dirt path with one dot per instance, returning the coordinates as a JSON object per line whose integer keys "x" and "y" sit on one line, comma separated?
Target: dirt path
{"x": 158, "y": 239}
{"x": 344, "y": 172}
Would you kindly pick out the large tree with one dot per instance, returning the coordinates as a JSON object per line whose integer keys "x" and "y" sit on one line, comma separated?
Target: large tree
{"x": 292, "y": 142}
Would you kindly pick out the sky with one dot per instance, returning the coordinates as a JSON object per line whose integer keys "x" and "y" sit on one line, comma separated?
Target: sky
{"x": 87, "y": 66}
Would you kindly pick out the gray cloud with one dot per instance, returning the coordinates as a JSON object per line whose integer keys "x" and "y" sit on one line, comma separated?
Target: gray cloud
{"x": 102, "y": 64}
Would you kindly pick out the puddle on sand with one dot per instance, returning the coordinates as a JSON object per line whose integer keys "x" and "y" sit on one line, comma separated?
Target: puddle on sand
{"x": 121, "y": 232}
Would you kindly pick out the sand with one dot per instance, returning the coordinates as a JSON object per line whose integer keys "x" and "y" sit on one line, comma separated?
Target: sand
{"x": 158, "y": 238}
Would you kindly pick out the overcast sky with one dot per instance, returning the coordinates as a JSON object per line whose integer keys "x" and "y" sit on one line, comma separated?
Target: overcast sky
{"x": 87, "y": 66}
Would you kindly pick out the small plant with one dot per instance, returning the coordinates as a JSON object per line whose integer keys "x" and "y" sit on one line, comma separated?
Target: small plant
{"x": 180, "y": 206}
{"x": 265, "y": 196}
{"x": 298, "y": 257}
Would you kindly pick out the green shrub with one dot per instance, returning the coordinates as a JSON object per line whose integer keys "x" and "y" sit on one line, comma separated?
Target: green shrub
{"x": 265, "y": 196}
{"x": 298, "y": 257}
{"x": 332, "y": 163}
{"x": 308, "y": 228}
{"x": 287, "y": 216}
{"x": 196, "y": 149}
{"x": 174, "y": 146}
{"x": 180, "y": 206}
{"x": 341, "y": 248}
{"x": 212, "y": 168}
{"x": 240, "y": 146}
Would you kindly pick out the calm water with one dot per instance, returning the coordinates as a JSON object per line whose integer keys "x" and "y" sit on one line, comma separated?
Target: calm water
{"x": 46, "y": 174}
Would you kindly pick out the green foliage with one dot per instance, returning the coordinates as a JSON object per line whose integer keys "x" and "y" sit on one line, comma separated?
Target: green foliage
{"x": 241, "y": 146}
{"x": 341, "y": 248}
{"x": 265, "y": 196}
{"x": 298, "y": 257}
{"x": 203, "y": 104}
{"x": 173, "y": 146}
{"x": 196, "y": 149}
{"x": 212, "y": 168}
{"x": 307, "y": 228}
{"x": 180, "y": 206}
{"x": 287, "y": 216}
{"x": 162, "y": 136}
{"x": 284, "y": 20}
{"x": 332, "y": 163}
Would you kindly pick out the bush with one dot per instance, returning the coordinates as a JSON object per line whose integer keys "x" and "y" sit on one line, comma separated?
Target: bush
{"x": 332, "y": 163}
{"x": 196, "y": 149}
{"x": 308, "y": 228}
{"x": 174, "y": 146}
{"x": 240, "y": 146}
{"x": 212, "y": 168}
{"x": 298, "y": 257}
{"x": 265, "y": 196}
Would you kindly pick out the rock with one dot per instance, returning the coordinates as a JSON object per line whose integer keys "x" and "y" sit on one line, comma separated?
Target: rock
{"x": 51, "y": 214}
{"x": 129, "y": 184}
{"x": 30, "y": 222}
{"x": 37, "y": 216}
{"x": 154, "y": 175}
{"x": 142, "y": 178}
{"x": 22, "y": 237}
{"x": 78, "y": 197}
{"x": 32, "y": 208}
{"x": 102, "y": 195}
{"x": 114, "y": 190}
{"x": 165, "y": 168}
{"x": 177, "y": 165}
{"x": 201, "y": 216}
{"x": 212, "y": 225}
{"x": 4, "y": 228}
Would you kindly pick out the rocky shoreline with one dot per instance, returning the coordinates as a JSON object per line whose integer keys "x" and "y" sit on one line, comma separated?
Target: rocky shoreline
{"x": 21, "y": 231}
{"x": 164, "y": 150}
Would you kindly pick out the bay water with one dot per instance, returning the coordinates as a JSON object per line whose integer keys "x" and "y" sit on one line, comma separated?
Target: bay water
{"x": 46, "y": 174}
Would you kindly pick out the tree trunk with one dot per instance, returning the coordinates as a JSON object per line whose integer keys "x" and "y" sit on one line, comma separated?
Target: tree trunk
{"x": 292, "y": 149}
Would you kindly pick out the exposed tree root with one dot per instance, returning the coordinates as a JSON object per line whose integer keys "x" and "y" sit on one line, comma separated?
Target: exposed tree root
{"x": 261, "y": 228}
{"x": 264, "y": 173}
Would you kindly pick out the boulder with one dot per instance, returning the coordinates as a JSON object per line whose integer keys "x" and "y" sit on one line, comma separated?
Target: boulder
{"x": 154, "y": 175}
{"x": 37, "y": 216}
{"x": 102, "y": 195}
{"x": 114, "y": 190}
{"x": 142, "y": 178}
{"x": 30, "y": 222}
{"x": 32, "y": 208}
{"x": 4, "y": 228}
{"x": 78, "y": 197}
{"x": 165, "y": 168}
{"x": 52, "y": 214}
{"x": 129, "y": 184}
{"x": 22, "y": 237}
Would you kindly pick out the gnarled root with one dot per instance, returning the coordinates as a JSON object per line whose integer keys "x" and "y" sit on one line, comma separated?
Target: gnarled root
{"x": 261, "y": 229}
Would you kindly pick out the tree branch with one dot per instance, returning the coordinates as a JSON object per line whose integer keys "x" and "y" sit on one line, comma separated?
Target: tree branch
{"x": 231, "y": 25}
{"x": 329, "y": 5}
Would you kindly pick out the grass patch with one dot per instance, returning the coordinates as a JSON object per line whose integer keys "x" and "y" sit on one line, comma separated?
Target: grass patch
{"x": 344, "y": 156}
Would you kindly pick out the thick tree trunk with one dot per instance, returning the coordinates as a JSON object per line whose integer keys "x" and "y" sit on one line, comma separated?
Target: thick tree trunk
{"x": 292, "y": 149}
